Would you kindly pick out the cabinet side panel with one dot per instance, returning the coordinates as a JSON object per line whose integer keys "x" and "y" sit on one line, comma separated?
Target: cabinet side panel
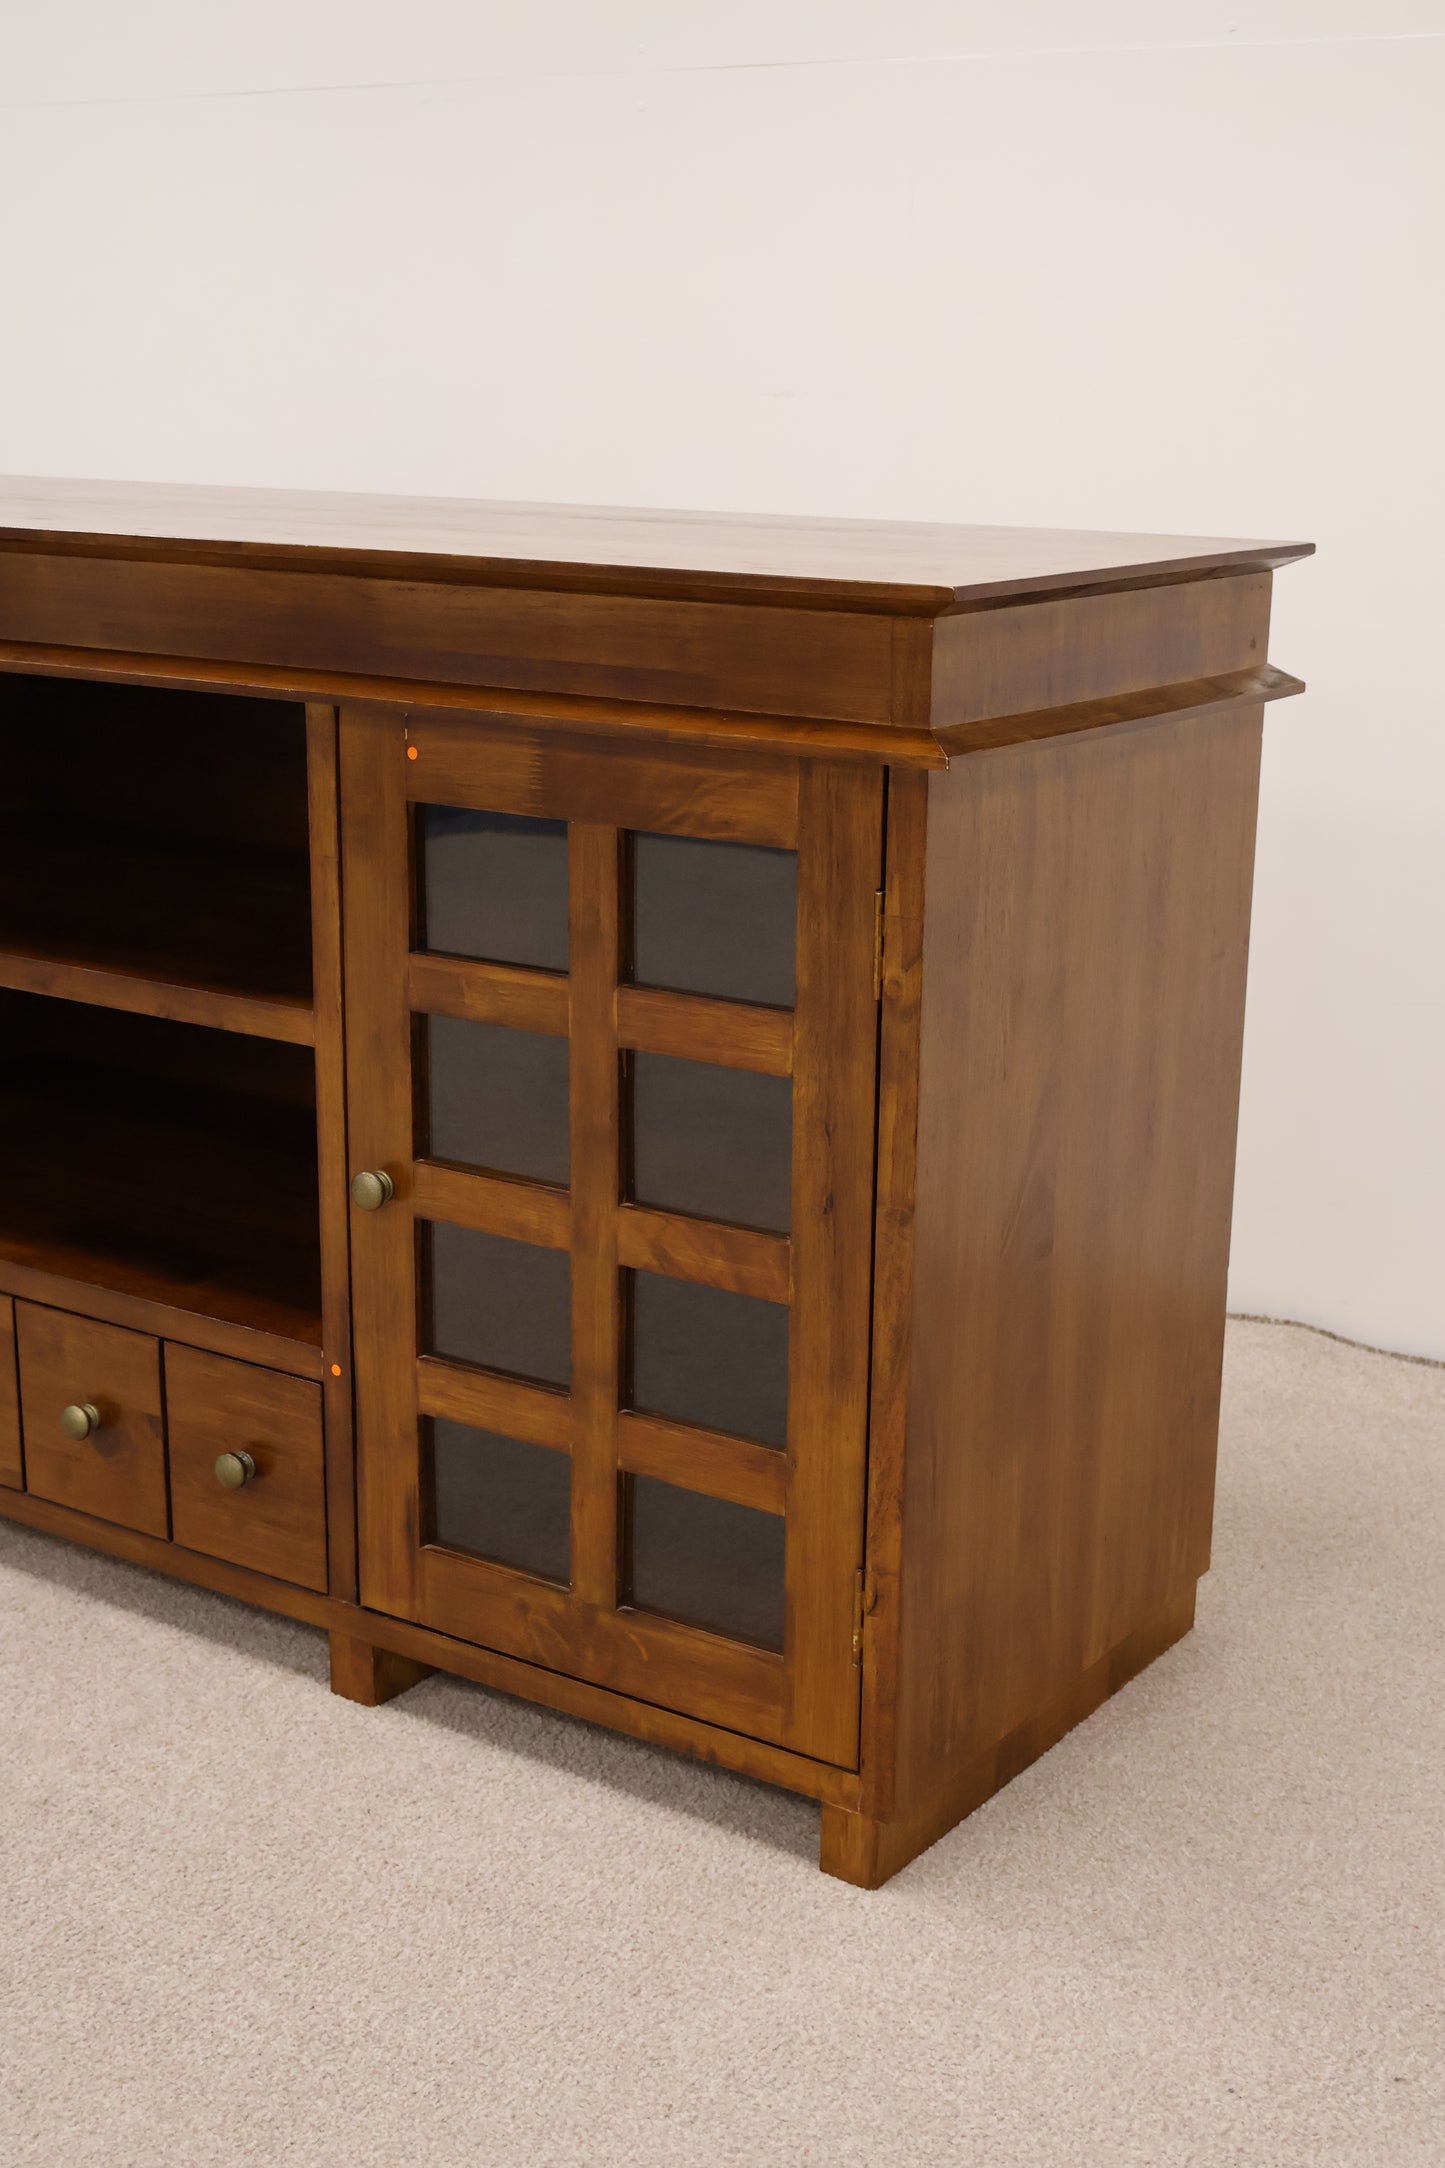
{"x": 1082, "y": 1017}
{"x": 12, "y": 1471}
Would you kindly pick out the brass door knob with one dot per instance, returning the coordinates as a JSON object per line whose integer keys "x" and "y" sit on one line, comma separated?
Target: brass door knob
{"x": 372, "y": 1189}
{"x": 80, "y": 1419}
{"x": 233, "y": 1470}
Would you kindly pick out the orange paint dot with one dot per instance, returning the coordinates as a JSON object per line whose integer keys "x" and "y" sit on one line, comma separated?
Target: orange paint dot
{"x": 411, "y": 752}
{"x": 336, "y": 1370}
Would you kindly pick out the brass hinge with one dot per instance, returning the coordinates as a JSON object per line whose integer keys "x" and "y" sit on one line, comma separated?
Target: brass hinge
{"x": 878, "y": 946}
{"x": 864, "y": 1598}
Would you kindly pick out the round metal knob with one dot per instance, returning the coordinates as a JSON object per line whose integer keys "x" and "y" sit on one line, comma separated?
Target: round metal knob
{"x": 233, "y": 1470}
{"x": 79, "y": 1420}
{"x": 371, "y": 1190}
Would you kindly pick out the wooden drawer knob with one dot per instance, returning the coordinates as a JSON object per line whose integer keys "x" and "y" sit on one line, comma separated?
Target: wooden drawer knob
{"x": 234, "y": 1470}
{"x": 80, "y": 1419}
{"x": 372, "y": 1189}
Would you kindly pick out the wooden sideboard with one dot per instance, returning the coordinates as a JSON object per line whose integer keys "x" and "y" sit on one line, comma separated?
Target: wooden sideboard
{"x": 640, "y": 1108}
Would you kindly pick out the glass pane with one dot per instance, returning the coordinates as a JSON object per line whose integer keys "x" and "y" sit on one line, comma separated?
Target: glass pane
{"x": 505, "y": 1305}
{"x": 710, "y": 1141}
{"x": 501, "y": 1499}
{"x": 704, "y": 1356}
{"x": 492, "y": 885}
{"x": 707, "y": 1562}
{"x": 496, "y": 1098}
{"x": 714, "y": 918}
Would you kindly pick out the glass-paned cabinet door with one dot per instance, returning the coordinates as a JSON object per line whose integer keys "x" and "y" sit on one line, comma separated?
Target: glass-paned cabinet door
{"x": 611, "y": 1111}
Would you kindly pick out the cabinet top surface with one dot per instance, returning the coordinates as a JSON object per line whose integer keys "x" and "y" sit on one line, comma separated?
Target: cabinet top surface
{"x": 709, "y": 554}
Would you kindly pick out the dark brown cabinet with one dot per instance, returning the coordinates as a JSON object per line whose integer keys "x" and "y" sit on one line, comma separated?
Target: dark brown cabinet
{"x": 640, "y": 1111}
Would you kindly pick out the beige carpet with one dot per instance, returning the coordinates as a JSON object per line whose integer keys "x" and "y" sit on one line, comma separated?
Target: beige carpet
{"x": 242, "y": 1922}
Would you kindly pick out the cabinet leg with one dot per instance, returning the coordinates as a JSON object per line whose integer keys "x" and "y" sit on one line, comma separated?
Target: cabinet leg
{"x": 860, "y": 1849}
{"x": 849, "y": 1848}
{"x": 362, "y": 1672}
{"x": 867, "y": 1852}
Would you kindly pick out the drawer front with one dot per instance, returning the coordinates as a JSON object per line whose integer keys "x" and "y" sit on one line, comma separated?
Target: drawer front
{"x": 275, "y": 1520}
{"x": 12, "y": 1470}
{"x": 118, "y": 1470}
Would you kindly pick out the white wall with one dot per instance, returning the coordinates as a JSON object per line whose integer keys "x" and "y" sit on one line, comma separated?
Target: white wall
{"x": 1118, "y": 264}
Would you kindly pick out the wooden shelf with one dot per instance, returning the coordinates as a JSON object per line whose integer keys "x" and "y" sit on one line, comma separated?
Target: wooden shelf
{"x": 216, "y": 937}
{"x": 201, "y": 1199}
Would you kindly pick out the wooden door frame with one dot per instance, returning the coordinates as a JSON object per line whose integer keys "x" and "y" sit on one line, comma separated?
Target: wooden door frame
{"x": 805, "y": 1699}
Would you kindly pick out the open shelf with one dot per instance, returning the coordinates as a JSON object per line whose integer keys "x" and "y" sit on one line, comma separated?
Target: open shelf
{"x": 146, "y": 1158}
{"x": 183, "y": 935}
{"x": 154, "y": 854}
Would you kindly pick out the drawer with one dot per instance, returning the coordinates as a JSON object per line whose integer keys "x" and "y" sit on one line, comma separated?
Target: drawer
{"x": 106, "y": 1384}
{"x": 275, "y": 1520}
{"x": 11, "y": 1469}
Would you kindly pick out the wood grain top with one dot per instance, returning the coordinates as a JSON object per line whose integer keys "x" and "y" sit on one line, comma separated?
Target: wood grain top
{"x": 886, "y": 564}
